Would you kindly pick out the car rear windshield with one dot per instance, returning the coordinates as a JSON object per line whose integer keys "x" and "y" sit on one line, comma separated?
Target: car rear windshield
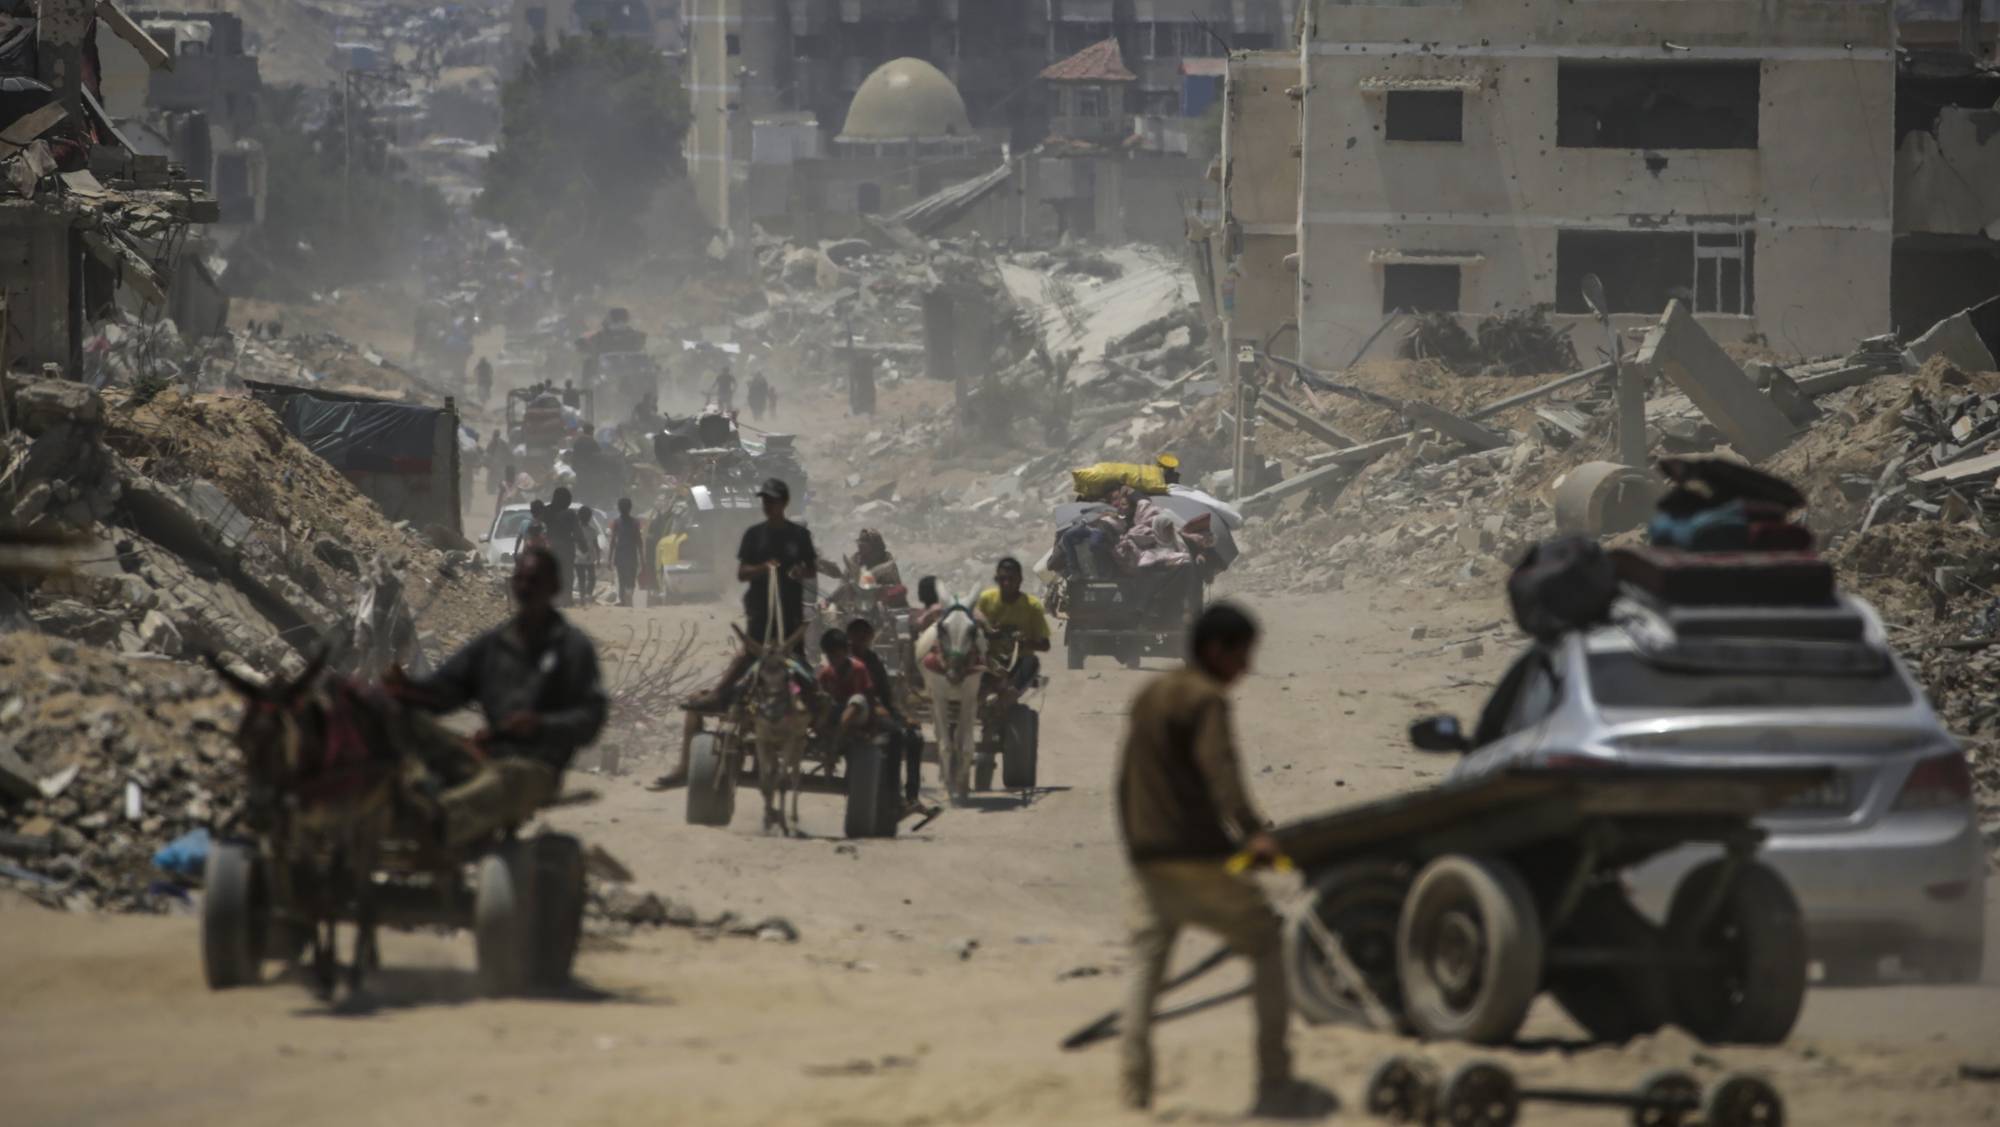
{"x": 1626, "y": 680}
{"x": 511, "y": 524}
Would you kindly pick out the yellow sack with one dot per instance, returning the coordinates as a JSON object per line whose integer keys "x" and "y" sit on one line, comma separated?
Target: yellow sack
{"x": 1093, "y": 483}
{"x": 669, "y": 551}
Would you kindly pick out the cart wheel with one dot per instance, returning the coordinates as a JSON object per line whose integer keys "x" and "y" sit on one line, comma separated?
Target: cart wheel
{"x": 871, "y": 791}
{"x": 1021, "y": 748}
{"x": 1753, "y": 996}
{"x": 231, "y": 948}
{"x": 1614, "y": 1003}
{"x": 1744, "y": 1101}
{"x": 1360, "y": 905}
{"x": 503, "y": 920}
{"x": 1074, "y": 650}
{"x": 711, "y": 787}
{"x": 559, "y": 895}
{"x": 1672, "y": 1098}
{"x": 1479, "y": 1094}
{"x": 1469, "y": 950}
{"x": 1402, "y": 1090}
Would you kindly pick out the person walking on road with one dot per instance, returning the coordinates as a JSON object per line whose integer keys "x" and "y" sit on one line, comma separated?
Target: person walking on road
{"x": 482, "y": 379}
{"x": 758, "y": 395}
{"x": 725, "y": 390}
{"x": 1183, "y": 811}
{"x": 627, "y": 539}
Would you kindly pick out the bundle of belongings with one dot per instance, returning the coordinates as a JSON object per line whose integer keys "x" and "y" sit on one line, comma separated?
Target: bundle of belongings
{"x": 1722, "y": 534}
{"x": 1129, "y": 533}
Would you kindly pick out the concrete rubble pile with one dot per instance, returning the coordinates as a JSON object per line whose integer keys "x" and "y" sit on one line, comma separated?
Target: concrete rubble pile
{"x": 204, "y": 528}
{"x": 126, "y": 351}
{"x": 1897, "y": 450}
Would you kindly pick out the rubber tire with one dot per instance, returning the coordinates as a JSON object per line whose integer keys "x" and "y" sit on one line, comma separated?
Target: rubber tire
{"x": 711, "y": 784}
{"x": 1665, "y": 1084}
{"x": 1368, "y": 896}
{"x": 1074, "y": 651}
{"x": 1020, "y": 748}
{"x": 1614, "y": 1004}
{"x": 503, "y": 921}
{"x": 1739, "y": 1100}
{"x": 871, "y": 791}
{"x": 231, "y": 944}
{"x": 1510, "y": 969}
{"x": 559, "y": 897}
{"x": 1756, "y": 1001}
{"x": 1479, "y": 1094}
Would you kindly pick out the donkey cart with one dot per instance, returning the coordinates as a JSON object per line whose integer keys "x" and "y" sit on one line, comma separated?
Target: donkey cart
{"x": 723, "y": 756}
{"x": 340, "y": 827}
{"x": 1444, "y": 913}
{"x": 522, "y": 898}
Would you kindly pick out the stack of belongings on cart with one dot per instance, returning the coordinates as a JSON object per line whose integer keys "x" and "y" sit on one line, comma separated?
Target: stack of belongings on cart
{"x": 1128, "y": 524}
{"x": 1722, "y": 535}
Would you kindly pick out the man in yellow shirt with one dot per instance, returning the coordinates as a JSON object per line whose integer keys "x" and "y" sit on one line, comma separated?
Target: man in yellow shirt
{"x": 1005, "y": 606}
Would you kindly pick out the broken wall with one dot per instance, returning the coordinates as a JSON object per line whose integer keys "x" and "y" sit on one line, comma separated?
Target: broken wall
{"x": 1261, "y": 195}
{"x": 1814, "y": 199}
{"x": 1948, "y": 177}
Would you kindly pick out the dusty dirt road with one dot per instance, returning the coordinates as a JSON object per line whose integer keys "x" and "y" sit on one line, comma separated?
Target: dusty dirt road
{"x": 886, "y": 1011}
{"x": 934, "y": 975}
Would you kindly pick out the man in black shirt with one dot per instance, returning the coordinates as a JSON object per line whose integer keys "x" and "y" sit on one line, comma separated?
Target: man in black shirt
{"x": 535, "y": 678}
{"x": 775, "y": 547}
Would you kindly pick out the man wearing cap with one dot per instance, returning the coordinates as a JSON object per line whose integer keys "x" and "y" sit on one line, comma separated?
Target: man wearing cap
{"x": 774, "y": 548}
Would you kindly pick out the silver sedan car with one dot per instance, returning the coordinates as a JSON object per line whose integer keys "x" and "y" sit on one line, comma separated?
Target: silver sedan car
{"x": 1886, "y": 860}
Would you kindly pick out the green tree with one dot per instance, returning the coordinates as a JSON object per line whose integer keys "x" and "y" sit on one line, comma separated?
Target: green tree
{"x": 589, "y": 130}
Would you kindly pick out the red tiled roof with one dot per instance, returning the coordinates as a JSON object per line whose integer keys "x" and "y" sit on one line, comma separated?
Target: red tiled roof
{"x": 1099, "y": 62}
{"x": 1208, "y": 68}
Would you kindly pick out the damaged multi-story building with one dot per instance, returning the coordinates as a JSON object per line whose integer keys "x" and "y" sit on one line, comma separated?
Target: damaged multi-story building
{"x": 90, "y": 227}
{"x": 1737, "y": 157}
{"x": 777, "y": 85}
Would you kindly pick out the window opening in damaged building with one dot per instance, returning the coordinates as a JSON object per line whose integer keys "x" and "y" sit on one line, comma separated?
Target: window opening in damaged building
{"x": 1648, "y": 105}
{"x": 1642, "y": 271}
{"x": 1420, "y": 287}
{"x": 1425, "y": 115}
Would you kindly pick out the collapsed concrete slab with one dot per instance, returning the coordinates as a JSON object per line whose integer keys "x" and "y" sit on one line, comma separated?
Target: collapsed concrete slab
{"x": 1966, "y": 339}
{"x": 1682, "y": 351}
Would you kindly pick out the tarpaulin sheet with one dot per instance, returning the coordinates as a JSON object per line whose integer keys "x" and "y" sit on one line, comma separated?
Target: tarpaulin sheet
{"x": 365, "y": 437}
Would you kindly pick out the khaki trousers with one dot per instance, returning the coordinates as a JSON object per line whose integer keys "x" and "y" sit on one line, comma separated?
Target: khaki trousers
{"x": 503, "y": 793}
{"x": 1170, "y": 895}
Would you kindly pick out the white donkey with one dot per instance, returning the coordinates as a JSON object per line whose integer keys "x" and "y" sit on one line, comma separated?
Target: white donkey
{"x": 953, "y": 653}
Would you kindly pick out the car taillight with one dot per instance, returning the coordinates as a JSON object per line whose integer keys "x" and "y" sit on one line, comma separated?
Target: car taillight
{"x": 1940, "y": 781}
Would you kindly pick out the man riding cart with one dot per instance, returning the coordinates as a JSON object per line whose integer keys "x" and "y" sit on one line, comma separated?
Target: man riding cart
{"x": 366, "y": 813}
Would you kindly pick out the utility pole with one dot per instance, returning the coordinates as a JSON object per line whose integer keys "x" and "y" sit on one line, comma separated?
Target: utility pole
{"x": 347, "y": 149}
{"x": 1246, "y": 383}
